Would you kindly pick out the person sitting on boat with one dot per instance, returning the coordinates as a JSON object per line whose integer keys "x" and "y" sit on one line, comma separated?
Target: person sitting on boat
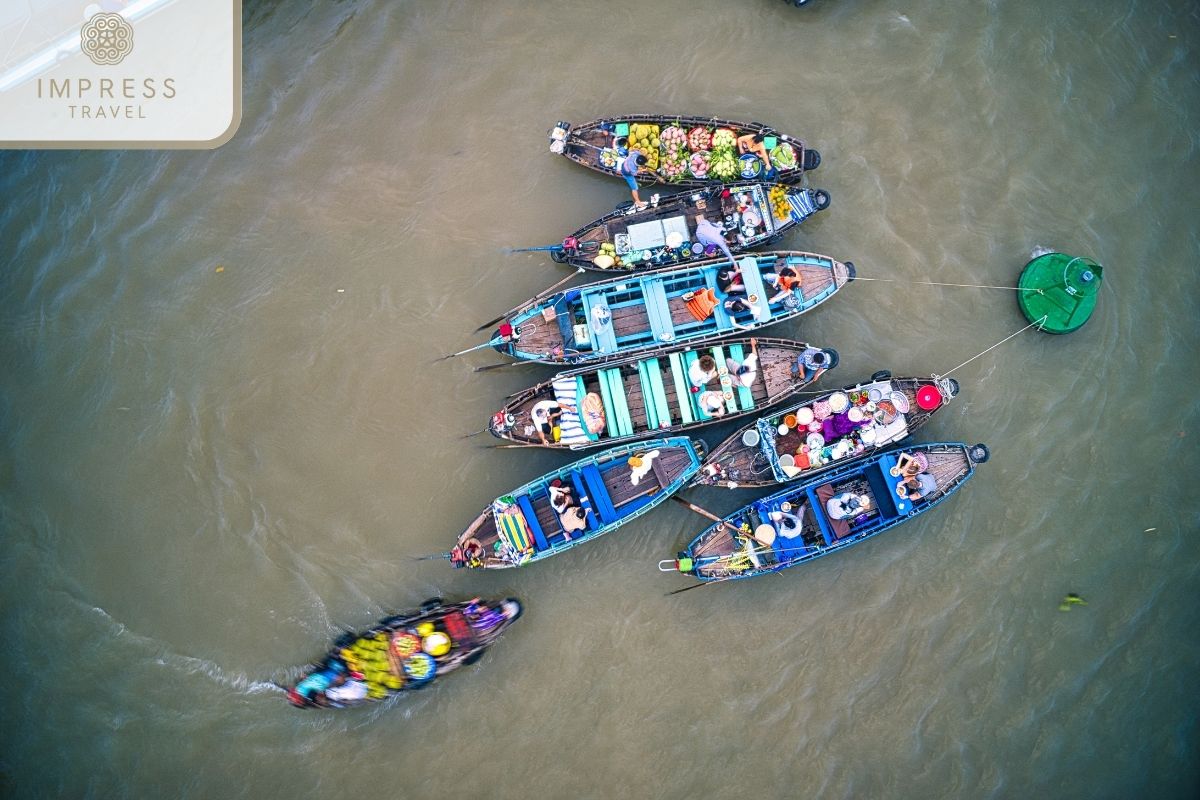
{"x": 546, "y": 416}
{"x": 753, "y": 143}
{"x": 747, "y": 370}
{"x": 712, "y": 403}
{"x": 572, "y": 519}
{"x": 785, "y": 280}
{"x": 346, "y": 691}
{"x": 730, "y": 281}
{"x": 561, "y": 497}
{"x": 702, "y": 371}
{"x": 708, "y": 233}
{"x": 633, "y": 163}
{"x": 787, "y": 523}
{"x": 847, "y": 505}
{"x": 920, "y": 485}
{"x": 813, "y": 361}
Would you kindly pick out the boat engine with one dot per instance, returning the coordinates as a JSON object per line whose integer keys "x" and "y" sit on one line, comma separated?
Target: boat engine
{"x": 558, "y": 137}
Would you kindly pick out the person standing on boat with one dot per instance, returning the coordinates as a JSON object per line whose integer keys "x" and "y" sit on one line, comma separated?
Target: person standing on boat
{"x": 633, "y": 163}
{"x": 707, "y": 233}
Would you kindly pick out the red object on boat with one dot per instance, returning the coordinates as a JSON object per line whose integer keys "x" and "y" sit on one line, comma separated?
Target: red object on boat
{"x": 928, "y": 397}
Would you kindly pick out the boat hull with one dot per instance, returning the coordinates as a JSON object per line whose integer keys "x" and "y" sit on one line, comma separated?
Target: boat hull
{"x": 794, "y": 526}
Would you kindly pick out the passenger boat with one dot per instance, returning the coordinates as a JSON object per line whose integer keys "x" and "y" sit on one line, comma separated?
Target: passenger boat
{"x": 664, "y": 232}
{"x": 657, "y": 392}
{"x": 577, "y": 503}
{"x": 686, "y": 151}
{"x": 677, "y": 305}
{"x": 403, "y": 652}
{"x": 824, "y": 432}
{"x": 828, "y": 512}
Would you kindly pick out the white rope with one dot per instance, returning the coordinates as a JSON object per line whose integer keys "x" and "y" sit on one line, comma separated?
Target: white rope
{"x": 1038, "y": 323}
{"x": 962, "y": 285}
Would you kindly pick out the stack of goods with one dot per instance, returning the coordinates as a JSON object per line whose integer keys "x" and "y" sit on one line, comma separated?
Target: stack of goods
{"x": 645, "y": 138}
{"x": 369, "y": 658}
{"x": 780, "y": 206}
{"x": 783, "y": 157}
{"x": 607, "y": 258}
{"x": 675, "y": 153}
{"x": 389, "y": 661}
{"x": 722, "y": 163}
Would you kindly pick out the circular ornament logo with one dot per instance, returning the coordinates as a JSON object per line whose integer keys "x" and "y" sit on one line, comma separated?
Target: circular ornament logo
{"x": 106, "y": 38}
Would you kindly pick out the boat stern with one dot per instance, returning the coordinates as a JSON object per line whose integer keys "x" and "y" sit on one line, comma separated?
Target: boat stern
{"x": 558, "y": 137}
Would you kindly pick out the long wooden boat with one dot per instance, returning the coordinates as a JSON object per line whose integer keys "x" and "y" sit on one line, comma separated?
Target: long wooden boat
{"x": 403, "y": 652}
{"x": 607, "y": 490}
{"x": 650, "y": 394}
{"x": 626, "y": 314}
{"x": 795, "y": 525}
{"x": 664, "y": 232}
{"x": 825, "y": 431}
{"x": 602, "y": 143}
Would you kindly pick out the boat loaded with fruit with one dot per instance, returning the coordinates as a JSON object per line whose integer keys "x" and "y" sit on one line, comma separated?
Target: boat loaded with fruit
{"x": 403, "y": 652}
{"x": 673, "y": 305}
{"x": 828, "y": 512}
{"x": 660, "y": 391}
{"x": 687, "y": 151}
{"x": 826, "y": 431}
{"x": 664, "y": 232}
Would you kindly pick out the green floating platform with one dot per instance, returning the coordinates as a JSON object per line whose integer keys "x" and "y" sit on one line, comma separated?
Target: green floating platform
{"x": 1066, "y": 289}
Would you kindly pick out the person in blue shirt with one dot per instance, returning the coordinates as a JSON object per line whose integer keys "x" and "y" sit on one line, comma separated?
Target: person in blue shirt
{"x": 630, "y": 167}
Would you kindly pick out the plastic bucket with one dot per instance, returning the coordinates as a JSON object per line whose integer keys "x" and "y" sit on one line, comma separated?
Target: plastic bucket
{"x": 751, "y": 438}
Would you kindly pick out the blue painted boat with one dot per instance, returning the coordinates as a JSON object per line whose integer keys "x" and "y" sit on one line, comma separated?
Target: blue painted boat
{"x": 577, "y": 503}
{"x": 678, "y": 305}
{"x": 828, "y": 513}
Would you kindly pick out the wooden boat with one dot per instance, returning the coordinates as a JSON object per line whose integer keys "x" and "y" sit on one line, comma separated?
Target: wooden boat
{"x": 625, "y": 314}
{"x": 823, "y": 433}
{"x": 403, "y": 652}
{"x": 603, "y": 143}
{"x": 664, "y": 232}
{"x": 650, "y": 394}
{"x": 607, "y": 490}
{"x": 796, "y": 525}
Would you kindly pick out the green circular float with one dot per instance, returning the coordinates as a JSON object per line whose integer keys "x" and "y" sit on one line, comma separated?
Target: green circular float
{"x": 1059, "y": 291}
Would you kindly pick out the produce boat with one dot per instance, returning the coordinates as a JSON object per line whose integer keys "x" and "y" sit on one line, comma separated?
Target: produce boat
{"x": 685, "y": 151}
{"x": 403, "y": 652}
{"x": 577, "y": 503}
{"x": 628, "y": 239}
{"x": 1059, "y": 291}
{"x": 625, "y": 314}
{"x": 824, "y": 432}
{"x": 802, "y": 522}
{"x": 651, "y": 394}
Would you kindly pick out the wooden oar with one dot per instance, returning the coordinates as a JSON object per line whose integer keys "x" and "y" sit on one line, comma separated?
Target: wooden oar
{"x": 533, "y": 299}
{"x": 488, "y": 343}
{"x": 433, "y": 557}
{"x": 707, "y": 514}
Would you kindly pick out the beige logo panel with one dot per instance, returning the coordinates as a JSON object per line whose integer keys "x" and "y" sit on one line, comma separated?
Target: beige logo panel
{"x": 120, "y": 74}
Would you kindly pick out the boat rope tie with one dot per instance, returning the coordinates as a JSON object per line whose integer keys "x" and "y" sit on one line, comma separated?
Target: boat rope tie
{"x": 961, "y": 285}
{"x": 1037, "y": 323}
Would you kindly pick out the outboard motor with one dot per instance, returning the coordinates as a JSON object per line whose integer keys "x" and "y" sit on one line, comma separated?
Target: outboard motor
{"x": 558, "y": 137}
